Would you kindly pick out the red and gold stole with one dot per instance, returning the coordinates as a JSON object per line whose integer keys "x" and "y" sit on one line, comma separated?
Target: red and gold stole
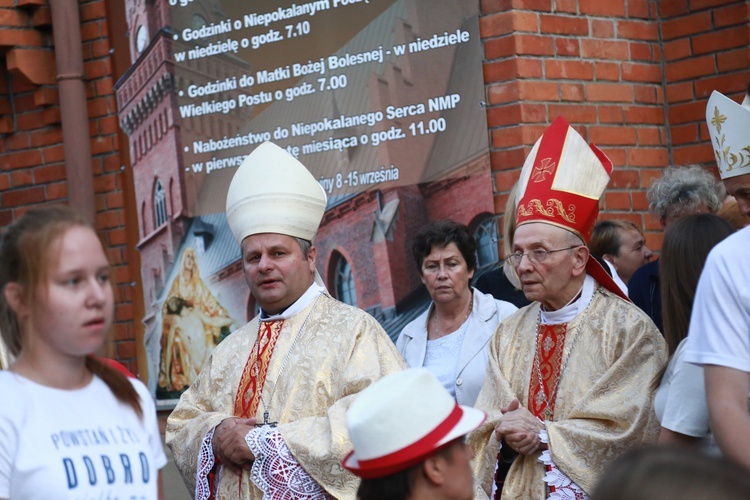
{"x": 548, "y": 359}
{"x": 542, "y": 393}
{"x": 253, "y": 378}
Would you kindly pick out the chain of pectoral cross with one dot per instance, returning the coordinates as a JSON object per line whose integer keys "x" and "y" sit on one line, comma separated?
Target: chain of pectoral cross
{"x": 281, "y": 369}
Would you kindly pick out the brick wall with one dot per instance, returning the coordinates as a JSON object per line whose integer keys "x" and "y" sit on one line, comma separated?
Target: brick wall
{"x": 706, "y": 47}
{"x": 32, "y": 168}
{"x": 340, "y": 228}
{"x": 461, "y": 199}
{"x": 599, "y": 64}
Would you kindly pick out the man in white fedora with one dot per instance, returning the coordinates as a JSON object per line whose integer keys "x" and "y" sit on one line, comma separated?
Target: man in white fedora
{"x": 266, "y": 416}
{"x": 569, "y": 377}
{"x": 408, "y": 436}
{"x": 719, "y": 334}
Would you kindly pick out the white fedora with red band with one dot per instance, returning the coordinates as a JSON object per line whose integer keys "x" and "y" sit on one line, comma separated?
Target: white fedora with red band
{"x": 402, "y": 419}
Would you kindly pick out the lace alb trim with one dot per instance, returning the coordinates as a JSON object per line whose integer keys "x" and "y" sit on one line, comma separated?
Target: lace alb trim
{"x": 205, "y": 464}
{"x": 493, "y": 493}
{"x": 276, "y": 472}
{"x": 565, "y": 488}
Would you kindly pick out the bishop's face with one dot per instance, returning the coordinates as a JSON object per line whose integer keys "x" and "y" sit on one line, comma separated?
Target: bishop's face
{"x": 276, "y": 270}
{"x": 556, "y": 280}
{"x": 739, "y": 187}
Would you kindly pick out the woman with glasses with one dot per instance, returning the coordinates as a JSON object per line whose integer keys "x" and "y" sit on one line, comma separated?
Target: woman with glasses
{"x": 451, "y": 336}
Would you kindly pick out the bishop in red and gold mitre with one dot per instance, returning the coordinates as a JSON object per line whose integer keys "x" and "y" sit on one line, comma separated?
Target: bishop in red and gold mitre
{"x": 561, "y": 183}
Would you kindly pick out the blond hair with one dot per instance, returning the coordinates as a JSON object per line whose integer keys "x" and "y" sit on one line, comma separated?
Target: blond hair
{"x": 25, "y": 259}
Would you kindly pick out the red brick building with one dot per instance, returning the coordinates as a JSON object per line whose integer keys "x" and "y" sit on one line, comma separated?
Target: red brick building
{"x": 632, "y": 76}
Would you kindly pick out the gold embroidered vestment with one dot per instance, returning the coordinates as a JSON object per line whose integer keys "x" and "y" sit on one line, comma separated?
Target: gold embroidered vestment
{"x": 340, "y": 351}
{"x": 604, "y": 400}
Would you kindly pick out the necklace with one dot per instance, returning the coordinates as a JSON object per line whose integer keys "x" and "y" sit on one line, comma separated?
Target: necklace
{"x": 547, "y": 399}
{"x": 439, "y": 331}
{"x": 283, "y": 363}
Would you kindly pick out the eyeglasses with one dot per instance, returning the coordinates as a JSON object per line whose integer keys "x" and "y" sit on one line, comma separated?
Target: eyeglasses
{"x": 535, "y": 256}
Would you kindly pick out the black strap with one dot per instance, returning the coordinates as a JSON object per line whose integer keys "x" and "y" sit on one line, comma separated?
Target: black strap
{"x": 505, "y": 459}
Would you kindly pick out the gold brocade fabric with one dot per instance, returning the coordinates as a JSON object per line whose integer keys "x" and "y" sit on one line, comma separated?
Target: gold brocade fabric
{"x": 604, "y": 402}
{"x": 341, "y": 351}
{"x": 247, "y": 399}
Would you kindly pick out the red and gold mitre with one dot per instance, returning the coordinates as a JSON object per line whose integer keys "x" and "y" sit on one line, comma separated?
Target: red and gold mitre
{"x": 561, "y": 182}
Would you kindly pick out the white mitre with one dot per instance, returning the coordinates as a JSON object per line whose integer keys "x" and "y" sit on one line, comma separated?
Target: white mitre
{"x": 729, "y": 126}
{"x": 272, "y": 192}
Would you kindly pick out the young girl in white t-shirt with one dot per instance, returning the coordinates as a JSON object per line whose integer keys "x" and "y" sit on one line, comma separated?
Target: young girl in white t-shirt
{"x": 70, "y": 426}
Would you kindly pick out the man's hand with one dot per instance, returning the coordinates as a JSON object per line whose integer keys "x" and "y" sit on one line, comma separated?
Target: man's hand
{"x": 519, "y": 428}
{"x": 229, "y": 444}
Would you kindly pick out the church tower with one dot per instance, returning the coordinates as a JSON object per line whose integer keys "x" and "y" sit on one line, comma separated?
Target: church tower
{"x": 149, "y": 96}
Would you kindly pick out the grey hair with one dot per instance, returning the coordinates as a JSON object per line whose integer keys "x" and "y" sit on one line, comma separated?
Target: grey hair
{"x": 509, "y": 229}
{"x": 304, "y": 246}
{"x": 680, "y": 190}
{"x": 572, "y": 239}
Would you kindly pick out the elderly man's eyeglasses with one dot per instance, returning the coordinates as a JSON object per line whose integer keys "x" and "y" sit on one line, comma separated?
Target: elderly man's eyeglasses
{"x": 535, "y": 256}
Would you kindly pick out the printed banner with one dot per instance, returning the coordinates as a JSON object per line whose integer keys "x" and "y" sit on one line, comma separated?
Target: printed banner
{"x": 381, "y": 100}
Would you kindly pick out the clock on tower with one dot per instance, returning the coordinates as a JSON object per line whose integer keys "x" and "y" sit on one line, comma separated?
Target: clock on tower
{"x": 141, "y": 38}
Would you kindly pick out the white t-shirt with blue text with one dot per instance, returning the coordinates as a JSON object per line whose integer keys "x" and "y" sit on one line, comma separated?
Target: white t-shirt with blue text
{"x": 76, "y": 444}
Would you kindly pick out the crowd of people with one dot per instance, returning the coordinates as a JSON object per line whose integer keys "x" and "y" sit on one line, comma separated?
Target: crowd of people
{"x": 566, "y": 397}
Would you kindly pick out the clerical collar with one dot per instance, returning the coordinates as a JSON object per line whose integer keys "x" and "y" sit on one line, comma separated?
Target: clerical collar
{"x": 305, "y": 300}
{"x": 570, "y": 311}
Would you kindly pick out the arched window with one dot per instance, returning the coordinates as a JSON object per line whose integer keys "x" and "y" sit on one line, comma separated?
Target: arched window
{"x": 486, "y": 237}
{"x": 344, "y": 282}
{"x": 171, "y": 195}
{"x": 160, "y": 205}
{"x": 144, "y": 218}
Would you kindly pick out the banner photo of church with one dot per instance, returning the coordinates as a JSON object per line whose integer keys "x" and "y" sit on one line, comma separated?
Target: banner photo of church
{"x": 381, "y": 100}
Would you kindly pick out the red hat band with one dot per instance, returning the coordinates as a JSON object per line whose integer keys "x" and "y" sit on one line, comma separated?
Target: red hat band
{"x": 400, "y": 420}
{"x": 413, "y": 454}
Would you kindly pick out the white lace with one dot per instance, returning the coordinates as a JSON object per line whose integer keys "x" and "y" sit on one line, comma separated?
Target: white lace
{"x": 205, "y": 464}
{"x": 494, "y": 474}
{"x": 276, "y": 472}
{"x": 565, "y": 488}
